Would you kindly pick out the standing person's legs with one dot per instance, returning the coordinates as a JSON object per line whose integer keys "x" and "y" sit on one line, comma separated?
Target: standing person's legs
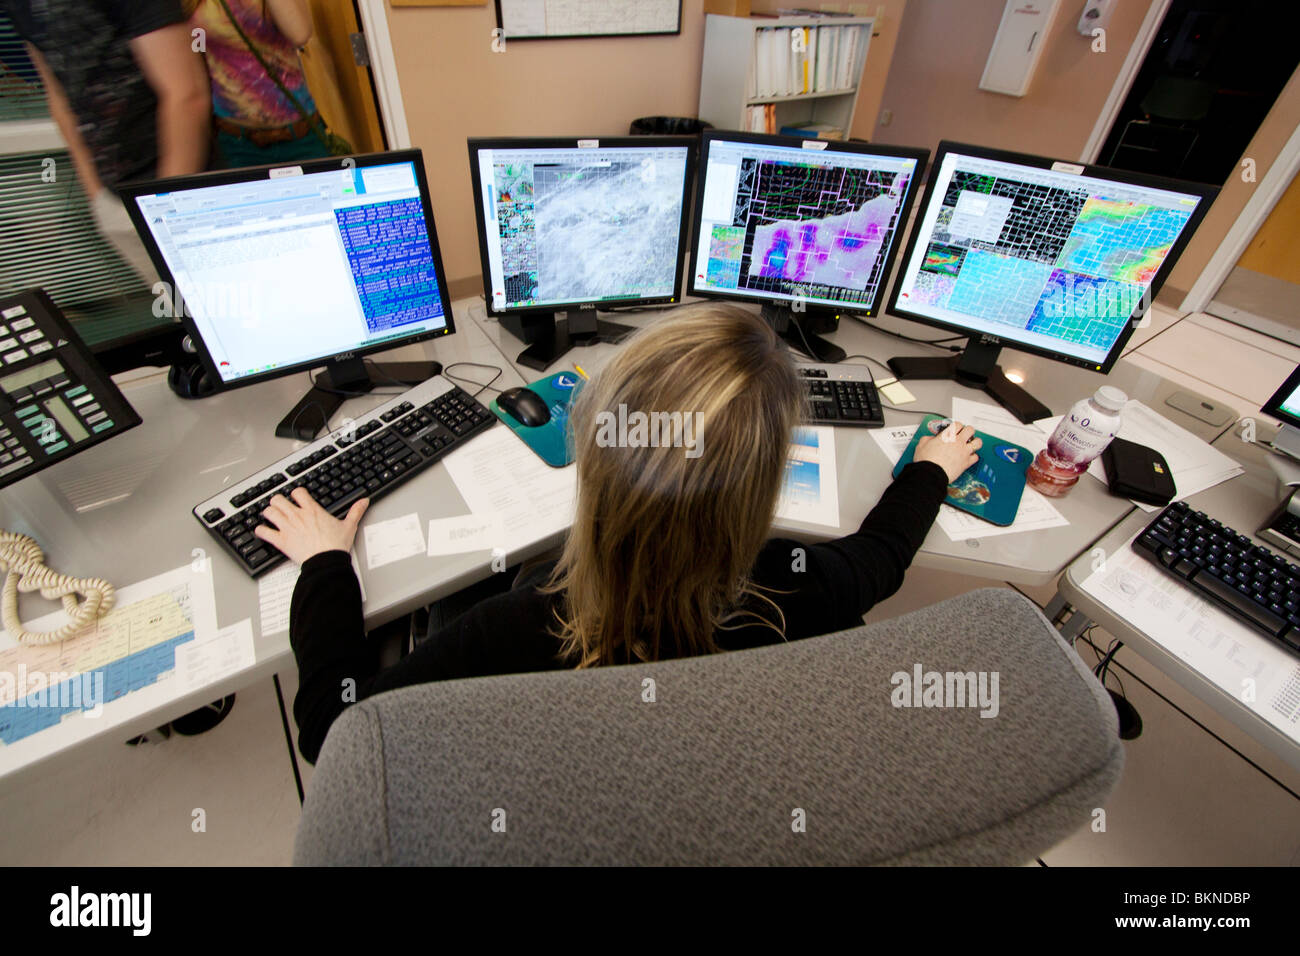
{"x": 115, "y": 226}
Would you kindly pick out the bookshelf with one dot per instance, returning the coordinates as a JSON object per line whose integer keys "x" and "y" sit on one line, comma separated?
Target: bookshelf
{"x": 739, "y": 72}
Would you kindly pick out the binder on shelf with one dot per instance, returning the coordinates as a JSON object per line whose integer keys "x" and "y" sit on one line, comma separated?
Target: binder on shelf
{"x": 823, "y": 57}
{"x": 812, "y": 130}
{"x": 762, "y": 62}
{"x": 810, "y": 65}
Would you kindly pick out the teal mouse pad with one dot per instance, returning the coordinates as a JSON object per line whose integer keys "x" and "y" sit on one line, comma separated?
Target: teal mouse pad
{"x": 992, "y": 487}
{"x": 552, "y": 441}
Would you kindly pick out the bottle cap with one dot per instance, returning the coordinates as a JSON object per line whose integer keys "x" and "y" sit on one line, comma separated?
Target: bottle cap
{"x": 1110, "y": 398}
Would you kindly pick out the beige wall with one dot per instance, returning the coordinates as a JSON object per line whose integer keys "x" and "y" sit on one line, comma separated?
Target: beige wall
{"x": 933, "y": 87}
{"x": 875, "y": 74}
{"x": 454, "y": 87}
{"x": 924, "y": 67}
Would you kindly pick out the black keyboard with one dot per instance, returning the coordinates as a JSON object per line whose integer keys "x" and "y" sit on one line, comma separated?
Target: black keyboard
{"x": 1246, "y": 579}
{"x": 369, "y": 458}
{"x": 841, "y": 395}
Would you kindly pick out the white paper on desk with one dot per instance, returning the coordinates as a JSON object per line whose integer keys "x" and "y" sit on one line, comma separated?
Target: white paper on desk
{"x": 199, "y": 664}
{"x": 496, "y": 472}
{"x": 464, "y": 534}
{"x": 810, "y": 490}
{"x": 1034, "y": 514}
{"x": 275, "y": 595}
{"x": 1215, "y": 644}
{"x": 1195, "y": 464}
{"x": 393, "y": 540}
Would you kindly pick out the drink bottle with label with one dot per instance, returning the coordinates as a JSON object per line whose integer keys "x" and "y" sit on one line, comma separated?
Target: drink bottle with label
{"x": 1082, "y": 435}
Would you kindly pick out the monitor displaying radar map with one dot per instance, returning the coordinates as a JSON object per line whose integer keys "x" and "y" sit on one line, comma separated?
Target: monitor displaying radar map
{"x": 581, "y": 222}
{"x": 783, "y": 219}
{"x": 1048, "y": 256}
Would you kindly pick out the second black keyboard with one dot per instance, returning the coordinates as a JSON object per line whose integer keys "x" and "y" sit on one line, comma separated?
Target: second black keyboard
{"x": 841, "y": 395}
{"x": 1247, "y": 580}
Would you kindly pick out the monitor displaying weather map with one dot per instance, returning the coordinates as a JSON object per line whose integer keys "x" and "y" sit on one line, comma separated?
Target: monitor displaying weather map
{"x": 576, "y": 224}
{"x": 781, "y": 220}
{"x": 1044, "y": 257}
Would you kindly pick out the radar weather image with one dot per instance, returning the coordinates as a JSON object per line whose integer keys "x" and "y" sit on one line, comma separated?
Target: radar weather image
{"x": 782, "y": 224}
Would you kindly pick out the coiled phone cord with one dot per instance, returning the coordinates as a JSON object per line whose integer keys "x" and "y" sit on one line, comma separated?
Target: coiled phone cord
{"x": 24, "y": 562}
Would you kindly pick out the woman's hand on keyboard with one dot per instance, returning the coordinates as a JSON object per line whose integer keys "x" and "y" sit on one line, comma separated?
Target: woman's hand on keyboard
{"x": 303, "y": 529}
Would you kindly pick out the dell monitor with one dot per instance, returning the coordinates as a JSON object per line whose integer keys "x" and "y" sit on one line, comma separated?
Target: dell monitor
{"x": 578, "y": 226}
{"x": 1048, "y": 257}
{"x": 281, "y": 269}
{"x": 807, "y": 228}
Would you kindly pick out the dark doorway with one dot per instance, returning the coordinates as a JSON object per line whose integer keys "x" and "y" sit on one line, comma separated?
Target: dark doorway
{"x": 1207, "y": 82}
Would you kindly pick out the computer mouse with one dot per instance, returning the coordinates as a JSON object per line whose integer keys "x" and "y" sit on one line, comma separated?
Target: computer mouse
{"x": 1130, "y": 721}
{"x": 525, "y": 406}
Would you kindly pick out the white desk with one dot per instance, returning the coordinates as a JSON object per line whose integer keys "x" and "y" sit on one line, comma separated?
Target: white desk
{"x": 1244, "y": 503}
{"x": 1032, "y": 558}
{"x": 122, "y": 509}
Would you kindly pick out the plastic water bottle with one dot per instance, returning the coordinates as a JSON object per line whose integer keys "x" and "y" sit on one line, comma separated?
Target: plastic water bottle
{"x": 1082, "y": 435}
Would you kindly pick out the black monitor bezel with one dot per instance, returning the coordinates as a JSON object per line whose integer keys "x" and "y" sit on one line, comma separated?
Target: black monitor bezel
{"x": 1205, "y": 191}
{"x": 797, "y": 142}
{"x": 478, "y": 143}
{"x": 129, "y": 191}
{"x": 1274, "y": 405}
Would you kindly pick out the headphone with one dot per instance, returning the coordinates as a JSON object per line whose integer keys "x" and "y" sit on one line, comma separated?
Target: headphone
{"x": 190, "y": 379}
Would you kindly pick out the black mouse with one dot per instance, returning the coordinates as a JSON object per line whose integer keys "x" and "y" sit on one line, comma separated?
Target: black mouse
{"x": 525, "y": 406}
{"x": 1130, "y": 721}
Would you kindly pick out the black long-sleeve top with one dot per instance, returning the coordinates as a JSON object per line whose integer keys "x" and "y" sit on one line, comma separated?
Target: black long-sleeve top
{"x": 828, "y": 588}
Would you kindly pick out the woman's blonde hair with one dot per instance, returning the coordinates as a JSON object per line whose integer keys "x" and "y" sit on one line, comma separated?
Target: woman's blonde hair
{"x": 664, "y": 537}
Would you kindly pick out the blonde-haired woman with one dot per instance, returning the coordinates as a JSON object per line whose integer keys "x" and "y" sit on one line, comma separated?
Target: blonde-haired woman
{"x": 669, "y": 554}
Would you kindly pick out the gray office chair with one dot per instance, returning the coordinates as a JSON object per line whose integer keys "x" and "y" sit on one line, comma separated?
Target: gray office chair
{"x": 791, "y": 754}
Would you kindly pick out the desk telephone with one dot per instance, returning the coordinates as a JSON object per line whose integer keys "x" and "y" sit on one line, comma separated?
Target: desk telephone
{"x": 55, "y": 401}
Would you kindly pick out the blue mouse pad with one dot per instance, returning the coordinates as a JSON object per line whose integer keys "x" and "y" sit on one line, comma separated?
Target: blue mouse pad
{"x": 989, "y": 489}
{"x": 551, "y": 441}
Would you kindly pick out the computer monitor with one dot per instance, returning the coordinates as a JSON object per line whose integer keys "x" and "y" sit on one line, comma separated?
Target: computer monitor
{"x": 808, "y": 228}
{"x": 578, "y": 225}
{"x": 280, "y": 269}
{"x": 1285, "y": 406}
{"x": 1049, "y": 257}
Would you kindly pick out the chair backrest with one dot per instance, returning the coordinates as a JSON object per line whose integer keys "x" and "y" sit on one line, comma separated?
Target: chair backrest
{"x": 798, "y": 753}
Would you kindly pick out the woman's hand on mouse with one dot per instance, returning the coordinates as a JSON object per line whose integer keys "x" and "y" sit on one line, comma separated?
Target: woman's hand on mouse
{"x": 953, "y": 449}
{"x": 303, "y": 529}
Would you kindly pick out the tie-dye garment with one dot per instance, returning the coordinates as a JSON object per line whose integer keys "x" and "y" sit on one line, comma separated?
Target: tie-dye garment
{"x": 241, "y": 90}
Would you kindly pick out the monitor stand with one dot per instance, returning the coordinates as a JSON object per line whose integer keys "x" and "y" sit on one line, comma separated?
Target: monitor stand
{"x": 977, "y": 367}
{"x": 799, "y": 330}
{"x": 314, "y": 410}
{"x": 548, "y": 337}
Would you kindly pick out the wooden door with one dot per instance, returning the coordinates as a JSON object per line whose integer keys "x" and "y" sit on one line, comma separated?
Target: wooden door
{"x": 343, "y": 91}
